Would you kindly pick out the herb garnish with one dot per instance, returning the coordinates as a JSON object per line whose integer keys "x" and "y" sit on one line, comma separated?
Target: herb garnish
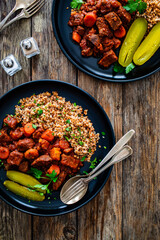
{"x": 129, "y": 68}
{"x": 103, "y": 133}
{"x": 93, "y": 163}
{"x": 34, "y": 126}
{"x": 76, "y": 4}
{"x": 40, "y": 111}
{"x": 68, "y": 121}
{"x": 38, "y": 174}
{"x": 119, "y": 69}
{"x": 83, "y": 158}
{"x": 135, "y": 5}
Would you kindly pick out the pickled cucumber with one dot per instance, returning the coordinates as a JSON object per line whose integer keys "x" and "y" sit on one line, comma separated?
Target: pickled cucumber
{"x": 23, "y": 191}
{"x": 148, "y": 47}
{"x": 132, "y": 41}
{"x": 24, "y": 179}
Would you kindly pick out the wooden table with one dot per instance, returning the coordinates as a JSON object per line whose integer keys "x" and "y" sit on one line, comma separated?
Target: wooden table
{"x": 128, "y": 207}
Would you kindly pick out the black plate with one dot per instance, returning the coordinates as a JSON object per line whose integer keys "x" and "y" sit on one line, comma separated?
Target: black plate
{"x": 101, "y": 123}
{"x": 63, "y": 33}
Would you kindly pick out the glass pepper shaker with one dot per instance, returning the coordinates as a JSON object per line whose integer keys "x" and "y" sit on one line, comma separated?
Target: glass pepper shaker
{"x": 10, "y": 65}
{"x": 29, "y": 47}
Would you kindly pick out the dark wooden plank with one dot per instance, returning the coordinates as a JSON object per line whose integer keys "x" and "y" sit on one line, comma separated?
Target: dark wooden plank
{"x": 141, "y": 178}
{"x": 102, "y": 217}
{"x": 51, "y": 64}
{"x": 13, "y": 222}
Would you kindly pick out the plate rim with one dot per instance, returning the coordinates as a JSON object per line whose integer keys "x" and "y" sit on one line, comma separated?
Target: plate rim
{"x": 99, "y": 189}
{"x": 82, "y": 69}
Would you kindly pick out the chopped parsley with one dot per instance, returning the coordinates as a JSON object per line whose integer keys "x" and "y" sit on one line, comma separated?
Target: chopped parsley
{"x": 75, "y": 104}
{"x": 85, "y": 172}
{"x": 89, "y": 150}
{"x": 66, "y": 138}
{"x": 34, "y": 126}
{"x": 68, "y": 129}
{"x": 135, "y": 5}
{"x": 105, "y": 147}
{"x": 81, "y": 143}
{"x": 93, "y": 163}
{"x": 35, "y": 101}
{"x": 22, "y": 106}
{"x": 76, "y": 4}
{"x": 38, "y": 105}
{"x": 103, "y": 133}
{"x": 129, "y": 68}
{"x": 68, "y": 121}
{"x": 83, "y": 158}
{"x": 40, "y": 111}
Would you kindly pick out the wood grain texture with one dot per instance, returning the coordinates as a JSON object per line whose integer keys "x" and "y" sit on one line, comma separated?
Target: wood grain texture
{"x": 141, "y": 178}
{"x": 128, "y": 207}
{"x": 12, "y": 222}
{"x": 102, "y": 217}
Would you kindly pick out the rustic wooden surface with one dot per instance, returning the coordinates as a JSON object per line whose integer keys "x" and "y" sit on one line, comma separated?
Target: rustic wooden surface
{"x": 128, "y": 207}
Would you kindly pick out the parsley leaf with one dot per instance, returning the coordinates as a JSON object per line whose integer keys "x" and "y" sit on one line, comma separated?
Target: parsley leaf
{"x": 43, "y": 187}
{"x": 93, "y": 163}
{"x": 34, "y": 126}
{"x": 103, "y": 133}
{"x": 118, "y": 68}
{"x": 141, "y": 7}
{"x": 35, "y": 172}
{"x": 40, "y": 111}
{"x": 83, "y": 158}
{"x": 76, "y": 4}
{"x": 52, "y": 176}
{"x": 129, "y": 68}
{"x": 135, "y": 5}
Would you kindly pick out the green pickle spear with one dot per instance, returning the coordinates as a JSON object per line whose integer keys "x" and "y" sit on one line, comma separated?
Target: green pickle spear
{"x": 148, "y": 47}
{"x": 24, "y": 179}
{"x": 23, "y": 191}
{"x": 132, "y": 41}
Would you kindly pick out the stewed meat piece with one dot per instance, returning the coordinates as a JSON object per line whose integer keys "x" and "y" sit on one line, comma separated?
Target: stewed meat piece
{"x": 25, "y": 144}
{"x": 42, "y": 161}
{"x": 87, "y": 51}
{"x": 4, "y": 137}
{"x": 108, "y": 44}
{"x": 76, "y": 19}
{"x": 62, "y": 176}
{"x": 44, "y": 144}
{"x": 70, "y": 161}
{"x": 17, "y": 133}
{"x": 55, "y": 153}
{"x": 10, "y": 121}
{"x": 37, "y": 134}
{"x": 63, "y": 144}
{"x": 117, "y": 42}
{"x": 103, "y": 28}
{"x": 15, "y": 158}
{"x": 124, "y": 15}
{"x": 68, "y": 150}
{"x": 23, "y": 167}
{"x": 113, "y": 20}
{"x": 80, "y": 30}
{"x": 108, "y": 58}
{"x": 12, "y": 146}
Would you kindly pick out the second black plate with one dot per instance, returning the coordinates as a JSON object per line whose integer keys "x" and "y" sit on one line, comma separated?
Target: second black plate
{"x": 63, "y": 33}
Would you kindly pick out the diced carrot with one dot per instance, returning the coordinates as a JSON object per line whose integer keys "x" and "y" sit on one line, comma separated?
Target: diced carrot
{"x": 90, "y": 19}
{"x": 4, "y": 152}
{"x": 28, "y": 129}
{"x": 55, "y": 168}
{"x": 76, "y": 37}
{"x": 55, "y": 154}
{"x": 48, "y": 135}
{"x": 120, "y": 32}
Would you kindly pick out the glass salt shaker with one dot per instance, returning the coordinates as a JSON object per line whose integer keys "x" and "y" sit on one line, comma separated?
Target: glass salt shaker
{"x": 29, "y": 47}
{"x": 10, "y": 65}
